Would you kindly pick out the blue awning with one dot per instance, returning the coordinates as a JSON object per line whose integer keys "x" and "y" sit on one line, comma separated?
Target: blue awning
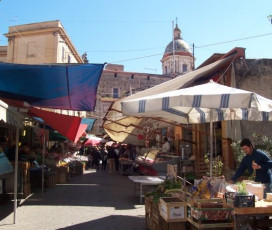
{"x": 58, "y": 86}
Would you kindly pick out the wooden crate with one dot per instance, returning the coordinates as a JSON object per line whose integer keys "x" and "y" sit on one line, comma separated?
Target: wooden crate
{"x": 215, "y": 214}
{"x": 148, "y": 221}
{"x": 148, "y": 204}
{"x": 210, "y": 213}
{"x": 61, "y": 177}
{"x": 207, "y": 203}
{"x": 173, "y": 209}
{"x": 50, "y": 180}
{"x": 210, "y": 225}
{"x": 155, "y": 214}
{"x": 165, "y": 225}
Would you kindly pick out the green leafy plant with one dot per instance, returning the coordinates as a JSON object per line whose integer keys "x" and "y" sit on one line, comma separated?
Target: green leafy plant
{"x": 241, "y": 189}
{"x": 262, "y": 142}
{"x": 217, "y": 165}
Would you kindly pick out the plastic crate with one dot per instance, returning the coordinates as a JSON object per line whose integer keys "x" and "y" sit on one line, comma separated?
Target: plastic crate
{"x": 242, "y": 201}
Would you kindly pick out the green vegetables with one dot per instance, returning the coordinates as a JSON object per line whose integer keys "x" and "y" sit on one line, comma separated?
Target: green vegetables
{"x": 168, "y": 184}
{"x": 241, "y": 190}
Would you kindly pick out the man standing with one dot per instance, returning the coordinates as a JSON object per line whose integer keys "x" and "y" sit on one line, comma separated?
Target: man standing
{"x": 255, "y": 161}
{"x": 166, "y": 148}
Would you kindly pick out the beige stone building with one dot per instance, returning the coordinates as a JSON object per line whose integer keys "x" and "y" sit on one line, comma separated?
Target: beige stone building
{"x": 43, "y": 42}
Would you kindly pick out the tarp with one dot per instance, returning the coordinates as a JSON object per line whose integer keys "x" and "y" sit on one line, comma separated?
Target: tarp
{"x": 123, "y": 128}
{"x": 71, "y": 127}
{"x": 56, "y": 86}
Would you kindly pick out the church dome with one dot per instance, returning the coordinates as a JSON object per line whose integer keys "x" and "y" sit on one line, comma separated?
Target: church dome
{"x": 180, "y": 46}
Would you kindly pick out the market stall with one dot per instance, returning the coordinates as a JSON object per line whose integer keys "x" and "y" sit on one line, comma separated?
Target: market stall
{"x": 211, "y": 203}
{"x": 154, "y": 162}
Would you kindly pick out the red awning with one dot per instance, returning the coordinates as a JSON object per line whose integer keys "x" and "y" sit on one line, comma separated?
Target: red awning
{"x": 68, "y": 126}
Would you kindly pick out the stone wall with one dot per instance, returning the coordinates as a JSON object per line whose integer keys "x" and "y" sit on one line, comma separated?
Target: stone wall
{"x": 255, "y": 75}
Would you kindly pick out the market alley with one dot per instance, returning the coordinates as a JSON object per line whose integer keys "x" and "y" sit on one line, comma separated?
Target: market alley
{"x": 95, "y": 200}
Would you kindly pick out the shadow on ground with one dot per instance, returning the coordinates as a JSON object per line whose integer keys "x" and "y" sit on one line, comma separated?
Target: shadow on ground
{"x": 111, "y": 223}
{"x": 98, "y": 189}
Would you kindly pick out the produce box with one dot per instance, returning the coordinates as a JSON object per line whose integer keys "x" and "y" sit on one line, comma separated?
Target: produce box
{"x": 212, "y": 213}
{"x": 242, "y": 201}
{"x": 173, "y": 209}
{"x": 210, "y": 209}
{"x": 208, "y": 203}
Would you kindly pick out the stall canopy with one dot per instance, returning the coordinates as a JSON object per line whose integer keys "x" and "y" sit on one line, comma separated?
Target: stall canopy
{"x": 194, "y": 105}
{"x": 200, "y": 104}
{"x": 71, "y": 127}
{"x": 124, "y": 128}
{"x": 56, "y": 86}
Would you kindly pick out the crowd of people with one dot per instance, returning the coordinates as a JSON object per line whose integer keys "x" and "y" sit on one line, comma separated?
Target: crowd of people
{"x": 106, "y": 157}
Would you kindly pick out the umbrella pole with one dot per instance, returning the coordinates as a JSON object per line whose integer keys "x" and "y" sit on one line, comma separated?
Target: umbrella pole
{"x": 16, "y": 175}
{"x": 43, "y": 153}
{"x": 211, "y": 141}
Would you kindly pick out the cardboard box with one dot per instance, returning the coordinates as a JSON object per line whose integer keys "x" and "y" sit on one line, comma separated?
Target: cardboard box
{"x": 173, "y": 209}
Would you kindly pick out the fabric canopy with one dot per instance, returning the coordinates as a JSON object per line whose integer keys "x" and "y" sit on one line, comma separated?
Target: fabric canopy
{"x": 58, "y": 86}
{"x": 71, "y": 127}
{"x": 203, "y": 103}
{"x": 123, "y": 128}
{"x": 194, "y": 105}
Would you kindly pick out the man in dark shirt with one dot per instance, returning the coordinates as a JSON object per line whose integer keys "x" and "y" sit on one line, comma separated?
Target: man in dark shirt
{"x": 255, "y": 160}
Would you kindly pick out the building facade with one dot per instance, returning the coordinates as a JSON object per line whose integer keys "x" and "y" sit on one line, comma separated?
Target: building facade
{"x": 43, "y": 42}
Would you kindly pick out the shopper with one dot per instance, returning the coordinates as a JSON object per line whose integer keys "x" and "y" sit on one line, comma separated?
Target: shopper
{"x": 111, "y": 159}
{"x": 103, "y": 154}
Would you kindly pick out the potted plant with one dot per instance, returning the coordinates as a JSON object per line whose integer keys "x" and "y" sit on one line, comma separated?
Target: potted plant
{"x": 217, "y": 165}
{"x": 242, "y": 198}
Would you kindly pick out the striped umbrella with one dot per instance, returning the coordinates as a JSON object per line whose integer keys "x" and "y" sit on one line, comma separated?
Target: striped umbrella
{"x": 201, "y": 104}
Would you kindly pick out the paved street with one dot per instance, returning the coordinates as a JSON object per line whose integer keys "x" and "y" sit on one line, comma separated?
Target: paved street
{"x": 95, "y": 200}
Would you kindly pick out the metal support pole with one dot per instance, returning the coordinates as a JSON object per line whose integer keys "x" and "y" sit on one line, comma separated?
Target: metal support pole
{"x": 43, "y": 153}
{"x": 16, "y": 175}
{"x": 211, "y": 141}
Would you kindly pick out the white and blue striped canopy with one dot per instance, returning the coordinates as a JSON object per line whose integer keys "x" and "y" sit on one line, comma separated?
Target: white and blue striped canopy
{"x": 194, "y": 105}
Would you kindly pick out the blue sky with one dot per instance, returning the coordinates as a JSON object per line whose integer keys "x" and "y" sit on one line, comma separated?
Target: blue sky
{"x": 134, "y": 33}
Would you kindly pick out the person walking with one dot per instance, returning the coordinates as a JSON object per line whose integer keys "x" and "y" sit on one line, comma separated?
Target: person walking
{"x": 103, "y": 154}
{"x": 111, "y": 159}
{"x": 257, "y": 162}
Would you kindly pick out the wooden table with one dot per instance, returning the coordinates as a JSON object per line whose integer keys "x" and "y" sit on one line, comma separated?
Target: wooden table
{"x": 260, "y": 213}
{"x": 145, "y": 180}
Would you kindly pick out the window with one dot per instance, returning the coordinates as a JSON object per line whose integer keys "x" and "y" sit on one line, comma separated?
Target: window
{"x": 184, "y": 68}
{"x": 69, "y": 59}
{"x": 115, "y": 92}
{"x": 63, "y": 54}
{"x": 30, "y": 53}
{"x": 165, "y": 69}
{"x": 115, "y": 74}
{"x": 132, "y": 76}
{"x": 148, "y": 78}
